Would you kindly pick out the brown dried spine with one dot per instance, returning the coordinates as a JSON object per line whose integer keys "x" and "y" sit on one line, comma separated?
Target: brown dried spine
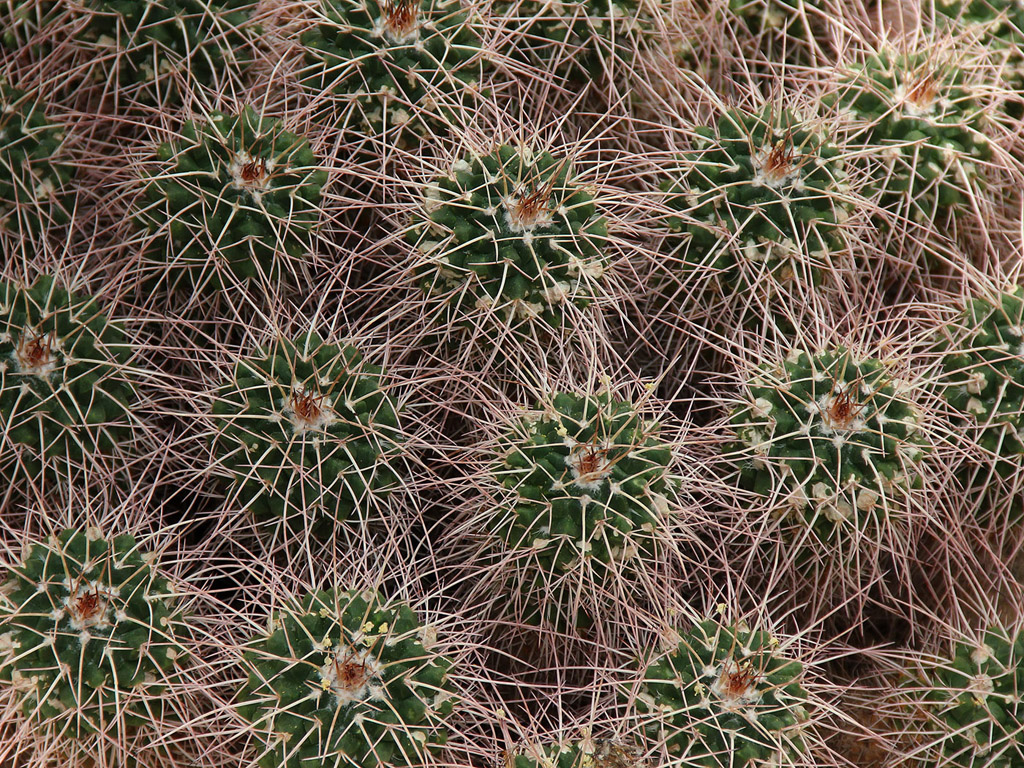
{"x": 400, "y": 17}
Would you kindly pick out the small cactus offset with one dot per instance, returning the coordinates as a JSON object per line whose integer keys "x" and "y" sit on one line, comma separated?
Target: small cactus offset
{"x": 923, "y": 122}
{"x": 407, "y": 67}
{"x": 784, "y": 27}
{"x": 763, "y": 198}
{"x": 590, "y": 484}
{"x": 305, "y": 430}
{"x": 832, "y": 438}
{"x": 975, "y": 699}
{"x": 586, "y": 753}
{"x": 510, "y": 233}
{"x": 724, "y": 698}
{"x": 983, "y": 362}
{"x": 33, "y": 177}
{"x": 90, "y": 634}
{"x": 232, "y": 198}
{"x": 347, "y": 679}
{"x": 65, "y": 396}
{"x": 152, "y": 49}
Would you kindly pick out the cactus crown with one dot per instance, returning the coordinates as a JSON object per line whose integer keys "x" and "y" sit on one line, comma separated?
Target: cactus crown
{"x": 88, "y": 631}
{"x": 984, "y": 369}
{"x": 831, "y": 435}
{"x": 589, "y": 481}
{"x": 232, "y": 194}
{"x": 33, "y": 179}
{"x": 409, "y": 65}
{"x": 63, "y": 390}
{"x": 510, "y": 232}
{"x": 975, "y": 696}
{"x": 347, "y": 679}
{"x": 724, "y": 697}
{"x": 306, "y": 429}
{"x": 925, "y": 122}
{"x": 771, "y": 184}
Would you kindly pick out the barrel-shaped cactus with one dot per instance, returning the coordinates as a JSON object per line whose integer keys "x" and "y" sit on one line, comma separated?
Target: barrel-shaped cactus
{"x": 151, "y": 49}
{"x": 510, "y": 233}
{"x": 404, "y": 67}
{"x": 346, "y": 679}
{"x": 305, "y": 429}
{"x": 922, "y": 122}
{"x": 33, "y": 177}
{"x": 974, "y": 697}
{"x": 229, "y": 200}
{"x": 831, "y": 438}
{"x": 66, "y": 395}
{"x": 725, "y": 697}
{"x": 983, "y": 362}
{"x": 590, "y": 484}
{"x": 90, "y": 633}
{"x": 763, "y": 198}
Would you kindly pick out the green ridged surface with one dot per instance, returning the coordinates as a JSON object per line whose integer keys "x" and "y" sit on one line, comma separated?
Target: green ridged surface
{"x": 306, "y": 430}
{"x": 590, "y": 482}
{"x": 831, "y": 437}
{"x": 975, "y": 695}
{"x": 32, "y": 177}
{"x": 409, "y": 67}
{"x": 983, "y": 363}
{"x": 923, "y": 122}
{"x": 483, "y": 249}
{"x": 89, "y": 632}
{"x": 762, "y": 196}
{"x": 229, "y": 199}
{"x": 65, "y": 394}
{"x": 724, "y": 698}
{"x": 348, "y": 679}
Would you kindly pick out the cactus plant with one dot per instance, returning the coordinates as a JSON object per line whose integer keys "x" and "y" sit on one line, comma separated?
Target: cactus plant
{"x": 152, "y": 48}
{"x": 230, "y": 197}
{"x": 510, "y": 233}
{"x": 923, "y": 123}
{"x": 974, "y": 697}
{"x": 587, "y": 753}
{"x": 90, "y": 634}
{"x": 724, "y": 697}
{"x": 590, "y": 484}
{"x": 763, "y": 199}
{"x": 306, "y": 430}
{"x": 65, "y": 396}
{"x": 407, "y": 67}
{"x": 983, "y": 362}
{"x": 347, "y": 679}
{"x": 33, "y": 178}
{"x": 831, "y": 437}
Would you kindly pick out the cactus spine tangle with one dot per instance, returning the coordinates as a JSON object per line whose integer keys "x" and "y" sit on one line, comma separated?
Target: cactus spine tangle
{"x": 725, "y": 696}
{"x": 510, "y": 233}
{"x": 347, "y": 679}
{"x": 305, "y": 430}
{"x": 231, "y": 198}
{"x": 89, "y": 632}
{"x": 832, "y": 437}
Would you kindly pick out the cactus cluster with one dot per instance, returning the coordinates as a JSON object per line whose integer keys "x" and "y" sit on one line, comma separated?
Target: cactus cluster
{"x": 305, "y": 429}
{"x": 760, "y": 201}
{"x": 510, "y": 233}
{"x": 923, "y": 121}
{"x": 975, "y": 697}
{"x": 33, "y": 176}
{"x": 590, "y": 486}
{"x": 983, "y": 362}
{"x": 406, "y": 68}
{"x": 65, "y": 392}
{"x": 229, "y": 199}
{"x": 725, "y": 696}
{"x": 90, "y": 633}
{"x": 832, "y": 438}
{"x": 347, "y": 679}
